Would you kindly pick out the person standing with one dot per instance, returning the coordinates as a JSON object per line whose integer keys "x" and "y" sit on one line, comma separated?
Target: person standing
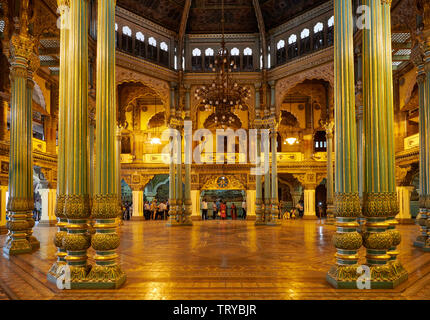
{"x": 223, "y": 210}
{"x": 244, "y": 209}
{"x": 214, "y": 211}
{"x": 153, "y": 209}
{"x": 233, "y": 211}
{"x": 204, "y": 210}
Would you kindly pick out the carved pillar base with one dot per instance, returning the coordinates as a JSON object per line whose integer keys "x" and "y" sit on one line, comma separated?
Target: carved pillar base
{"x": 258, "y": 213}
{"x": 330, "y": 214}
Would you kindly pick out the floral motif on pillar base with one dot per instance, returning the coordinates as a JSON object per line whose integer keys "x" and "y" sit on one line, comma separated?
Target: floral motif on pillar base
{"x": 347, "y": 241}
{"x": 106, "y": 273}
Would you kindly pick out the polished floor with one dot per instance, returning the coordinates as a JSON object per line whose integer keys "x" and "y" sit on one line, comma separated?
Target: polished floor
{"x": 216, "y": 260}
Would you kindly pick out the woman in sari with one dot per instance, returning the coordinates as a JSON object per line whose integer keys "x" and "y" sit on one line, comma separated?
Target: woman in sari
{"x": 223, "y": 210}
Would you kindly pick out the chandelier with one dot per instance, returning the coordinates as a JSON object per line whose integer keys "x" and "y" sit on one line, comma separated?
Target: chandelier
{"x": 224, "y": 95}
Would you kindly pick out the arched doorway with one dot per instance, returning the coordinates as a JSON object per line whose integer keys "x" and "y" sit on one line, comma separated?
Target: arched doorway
{"x": 321, "y": 199}
{"x": 227, "y": 189}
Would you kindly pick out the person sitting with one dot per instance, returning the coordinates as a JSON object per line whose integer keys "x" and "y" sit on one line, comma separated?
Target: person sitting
{"x": 293, "y": 214}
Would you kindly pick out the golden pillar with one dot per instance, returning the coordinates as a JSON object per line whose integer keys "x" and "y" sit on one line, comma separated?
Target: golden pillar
{"x": 77, "y": 200}
{"x": 106, "y": 273}
{"x": 347, "y": 204}
{"x": 24, "y": 61}
{"x": 379, "y": 194}
{"x": 57, "y": 268}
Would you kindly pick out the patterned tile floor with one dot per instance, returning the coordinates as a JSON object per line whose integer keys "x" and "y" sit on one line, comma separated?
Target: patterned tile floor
{"x": 216, "y": 260}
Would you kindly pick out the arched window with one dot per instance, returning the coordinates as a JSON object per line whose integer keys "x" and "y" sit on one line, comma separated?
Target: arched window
{"x": 281, "y": 53}
{"x": 318, "y": 36}
{"x": 305, "y": 41}
{"x": 330, "y": 31}
{"x": 140, "y": 36}
{"x": 268, "y": 58}
{"x": 152, "y": 48}
{"x": 293, "y": 50}
{"x": 209, "y": 59}
{"x": 139, "y": 45}
{"x": 261, "y": 61}
{"x": 164, "y": 46}
{"x": 196, "y": 59}
{"x": 127, "y": 40}
{"x": 320, "y": 141}
{"x": 126, "y": 30}
{"x": 164, "y": 53}
{"x": 247, "y": 59}
{"x": 235, "y": 57}
{"x": 175, "y": 62}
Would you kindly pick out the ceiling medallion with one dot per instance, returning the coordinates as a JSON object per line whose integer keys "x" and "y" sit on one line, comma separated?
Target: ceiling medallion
{"x": 224, "y": 95}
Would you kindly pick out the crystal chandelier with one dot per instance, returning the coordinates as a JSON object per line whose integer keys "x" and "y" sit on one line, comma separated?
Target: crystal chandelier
{"x": 224, "y": 95}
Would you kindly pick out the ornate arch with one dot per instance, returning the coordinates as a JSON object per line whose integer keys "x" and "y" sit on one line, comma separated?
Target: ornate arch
{"x": 233, "y": 183}
{"x": 324, "y": 72}
{"x": 161, "y": 87}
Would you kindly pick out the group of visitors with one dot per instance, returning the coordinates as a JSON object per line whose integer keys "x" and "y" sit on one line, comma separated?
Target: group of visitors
{"x": 156, "y": 211}
{"x": 294, "y": 213}
{"x": 219, "y": 209}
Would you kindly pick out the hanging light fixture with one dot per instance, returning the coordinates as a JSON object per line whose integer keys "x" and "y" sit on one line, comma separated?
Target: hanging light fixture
{"x": 224, "y": 95}
{"x": 291, "y": 138}
{"x": 154, "y": 139}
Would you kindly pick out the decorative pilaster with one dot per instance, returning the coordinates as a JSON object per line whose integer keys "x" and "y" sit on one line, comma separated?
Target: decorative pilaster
{"x": 77, "y": 200}
{"x": 379, "y": 195}
{"x": 106, "y": 273}
{"x": 55, "y": 270}
{"x": 23, "y": 61}
{"x": 309, "y": 202}
{"x": 347, "y": 204}
{"x": 329, "y": 138}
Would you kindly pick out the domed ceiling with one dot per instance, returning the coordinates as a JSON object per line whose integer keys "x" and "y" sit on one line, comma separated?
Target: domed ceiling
{"x": 205, "y": 15}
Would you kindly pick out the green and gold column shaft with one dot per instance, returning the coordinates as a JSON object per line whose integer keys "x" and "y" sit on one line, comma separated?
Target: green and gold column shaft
{"x": 188, "y": 141}
{"x": 329, "y": 138}
{"x": 273, "y": 137}
{"x": 379, "y": 196}
{"x": 426, "y": 35}
{"x": 33, "y": 65}
{"x": 347, "y": 204}
{"x": 172, "y": 152}
{"x": 258, "y": 182}
{"x": 55, "y": 270}
{"x": 422, "y": 217}
{"x": 118, "y": 173}
{"x": 77, "y": 201}
{"x": 389, "y": 107}
{"x": 107, "y": 272}
{"x": 179, "y": 193}
{"x": 265, "y": 137}
{"x": 20, "y": 203}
